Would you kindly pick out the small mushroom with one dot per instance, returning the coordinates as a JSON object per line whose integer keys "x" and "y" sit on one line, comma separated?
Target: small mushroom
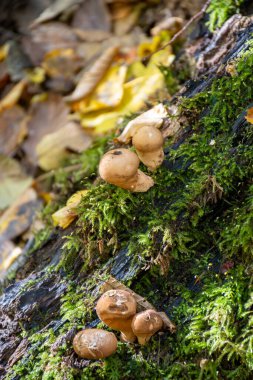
{"x": 146, "y": 324}
{"x": 95, "y": 344}
{"x": 148, "y": 142}
{"x": 153, "y": 117}
{"x": 120, "y": 167}
{"x": 116, "y": 308}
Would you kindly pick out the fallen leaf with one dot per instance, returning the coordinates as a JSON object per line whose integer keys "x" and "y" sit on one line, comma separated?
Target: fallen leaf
{"x": 61, "y": 63}
{"x": 12, "y": 129}
{"x": 120, "y": 10}
{"x": 13, "y": 182}
{"x": 13, "y": 95}
{"x": 92, "y": 35}
{"x": 4, "y": 75}
{"x": 172, "y": 24}
{"x": 17, "y": 61}
{"x": 136, "y": 94}
{"x": 249, "y": 116}
{"x": 45, "y": 38}
{"x": 8, "y": 254}
{"x": 76, "y": 198}
{"x": 108, "y": 93}
{"x": 19, "y": 216}
{"x": 92, "y": 15}
{"x": 53, "y": 147}
{"x": 44, "y": 118}
{"x": 66, "y": 215}
{"x": 54, "y": 10}
{"x": 3, "y": 52}
{"x": 153, "y": 117}
{"x": 125, "y": 24}
{"x": 91, "y": 78}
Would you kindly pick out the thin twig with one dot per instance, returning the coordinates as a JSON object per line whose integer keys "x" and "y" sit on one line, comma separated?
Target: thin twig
{"x": 181, "y": 31}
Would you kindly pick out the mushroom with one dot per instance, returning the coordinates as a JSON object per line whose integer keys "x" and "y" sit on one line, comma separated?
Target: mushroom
{"x": 148, "y": 142}
{"x": 116, "y": 308}
{"x": 95, "y": 343}
{"x": 120, "y": 167}
{"x": 153, "y": 117}
{"x": 146, "y": 324}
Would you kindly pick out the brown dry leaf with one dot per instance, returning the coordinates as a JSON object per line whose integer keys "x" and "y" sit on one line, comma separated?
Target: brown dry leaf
{"x": 19, "y": 216}
{"x": 125, "y": 24}
{"x": 120, "y": 10}
{"x": 92, "y": 15}
{"x": 12, "y": 129}
{"x": 92, "y": 35}
{"x": 13, "y": 182}
{"x": 172, "y": 24}
{"x": 142, "y": 303}
{"x": 44, "y": 38}
{"x": 54, "y": 10}
{"x": 53, "y": 147}
{"x": 4, "y": 75}
{"x": 249, "y": 116}
{"x": 91, "y": 78}
{"x": 13, "y": 95}
{"x": 45, "y": 117}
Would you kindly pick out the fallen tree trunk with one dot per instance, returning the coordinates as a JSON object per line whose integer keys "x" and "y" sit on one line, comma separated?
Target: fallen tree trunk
{"x": 186, "y": 246}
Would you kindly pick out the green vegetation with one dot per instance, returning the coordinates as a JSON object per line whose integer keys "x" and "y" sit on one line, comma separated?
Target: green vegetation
{"x": 220, "y": 11}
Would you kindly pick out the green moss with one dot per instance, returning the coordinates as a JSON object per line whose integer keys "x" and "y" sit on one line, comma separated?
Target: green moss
{"x": 220, "y": 10}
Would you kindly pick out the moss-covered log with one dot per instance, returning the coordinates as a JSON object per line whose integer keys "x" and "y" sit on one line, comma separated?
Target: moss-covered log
{"x": 186, "y": 245}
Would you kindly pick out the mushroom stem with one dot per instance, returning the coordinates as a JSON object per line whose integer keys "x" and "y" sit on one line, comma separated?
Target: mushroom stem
{"x": 127, "y": 336}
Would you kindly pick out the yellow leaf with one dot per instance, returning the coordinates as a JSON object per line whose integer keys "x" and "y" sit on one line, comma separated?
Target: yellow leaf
{"x": 108, "y": 93}
{"x": 36, "y": 75}
{"x": 13, "y": 182}
{"x": 3, "y": 52}
{"x": 76, "y": 198}
{"x": 92, "y": 77}
{"x": 52, "y": 148}
{"x": 65, "y": 216}
{"x": 249, "y": 116}
{"x": 13, "y": 96}
{"x": 136, "y": 93}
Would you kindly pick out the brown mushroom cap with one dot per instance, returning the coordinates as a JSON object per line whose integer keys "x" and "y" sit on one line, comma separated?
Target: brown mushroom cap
{"x": 148, "y": 139}
{"x": 120, "y": 167}
{"x": 146, "y": 324}
{"x": 116, "y": 308}
{"x": 148, "y": 142}
{"x": 94, "y": 344}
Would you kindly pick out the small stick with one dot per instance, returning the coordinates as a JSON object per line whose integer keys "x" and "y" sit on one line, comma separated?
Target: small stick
{"x": 181, "y": 31}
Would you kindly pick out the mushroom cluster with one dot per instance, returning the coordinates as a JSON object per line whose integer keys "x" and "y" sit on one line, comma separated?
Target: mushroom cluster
{"x": 120, "y": 166}
{"x": 117, "y": 308}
